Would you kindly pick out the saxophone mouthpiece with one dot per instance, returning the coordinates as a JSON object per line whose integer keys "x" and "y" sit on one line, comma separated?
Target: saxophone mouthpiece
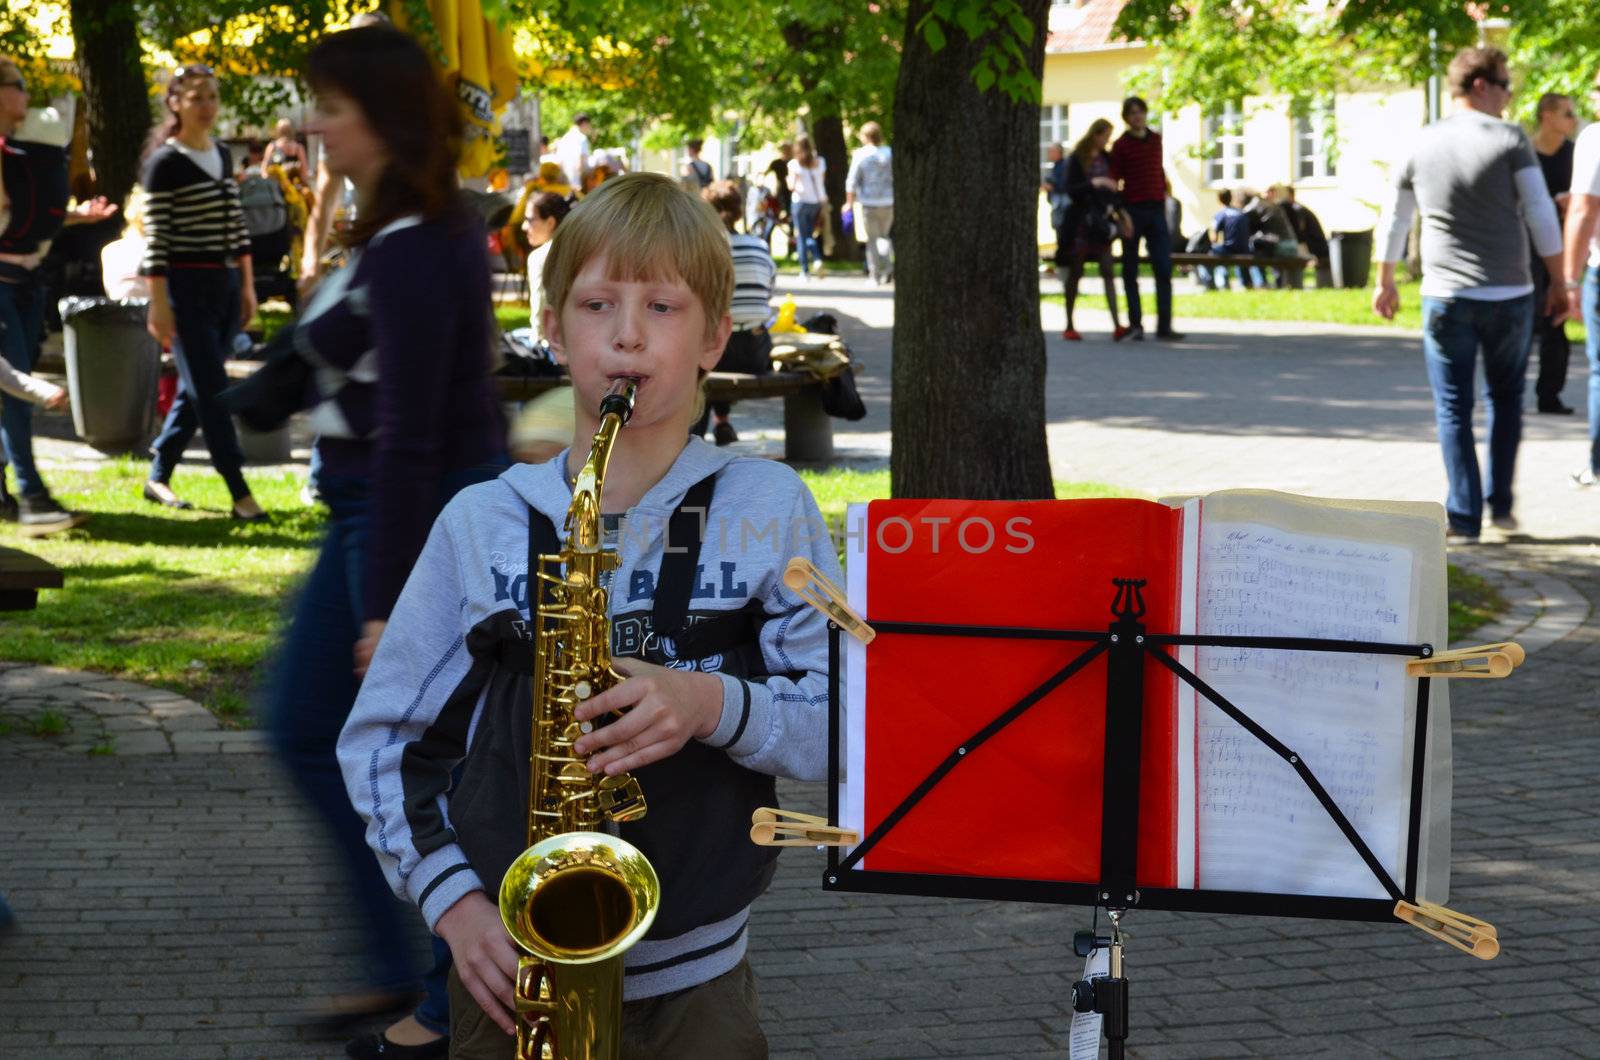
{"x": 619, "y": 399}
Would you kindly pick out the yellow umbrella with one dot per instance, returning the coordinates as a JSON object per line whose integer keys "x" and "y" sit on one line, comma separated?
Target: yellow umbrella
{"x": 478, "y": 66}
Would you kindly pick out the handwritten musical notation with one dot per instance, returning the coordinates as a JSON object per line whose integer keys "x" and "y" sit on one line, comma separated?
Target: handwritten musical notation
{"x": 1260, "y": 828}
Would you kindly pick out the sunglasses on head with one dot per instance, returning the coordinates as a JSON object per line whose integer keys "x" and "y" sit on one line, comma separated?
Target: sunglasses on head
{"x": 19, "y": 84}
{"x": 192, "y": 70}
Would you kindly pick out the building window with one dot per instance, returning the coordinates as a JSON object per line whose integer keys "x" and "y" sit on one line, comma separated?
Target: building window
{"x": 1052, "y": 130}
{"x": 1313, "y": 142}
{"x": 1225, "y": 137}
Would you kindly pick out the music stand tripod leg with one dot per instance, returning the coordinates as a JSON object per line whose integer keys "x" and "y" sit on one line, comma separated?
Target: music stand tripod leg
{"x": 1109, "y": 995}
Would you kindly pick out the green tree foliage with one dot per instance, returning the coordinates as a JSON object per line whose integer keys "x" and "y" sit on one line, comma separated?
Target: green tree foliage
{"x": 720, "y": 65}
{"x": 1213, "y": 52}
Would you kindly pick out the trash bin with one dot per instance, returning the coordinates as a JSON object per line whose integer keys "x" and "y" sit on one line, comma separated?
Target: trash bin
{"x": 1350, "y": 258}
{"x": 113, "y": 366}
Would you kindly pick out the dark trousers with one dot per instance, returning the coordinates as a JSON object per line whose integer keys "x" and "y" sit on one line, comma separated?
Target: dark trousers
{"x": 1149, "y": 224}
{"x": 1555, "y": 349}
{"x": 307, "y": 703}
{"x": 312, "y": 691}
{"x": 21, "y": 328}
{"x": 719, "y": 1019}
{"x": 746, "y": 351}
{"x": 206, "y": 305}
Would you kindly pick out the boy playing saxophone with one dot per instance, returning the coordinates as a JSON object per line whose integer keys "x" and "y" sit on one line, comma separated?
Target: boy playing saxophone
{"x": 725, "y": 683}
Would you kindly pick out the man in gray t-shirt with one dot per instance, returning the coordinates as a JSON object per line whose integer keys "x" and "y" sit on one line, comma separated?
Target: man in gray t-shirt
{"x": 1478, "y": 186}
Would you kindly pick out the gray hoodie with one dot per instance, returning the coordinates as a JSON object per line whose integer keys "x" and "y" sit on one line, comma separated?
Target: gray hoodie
{"x": 449, "y": 681}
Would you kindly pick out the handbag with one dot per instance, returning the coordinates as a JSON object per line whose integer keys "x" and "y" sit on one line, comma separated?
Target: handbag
{"x": 840, "y": 397}
{"x": 282, "y": 386}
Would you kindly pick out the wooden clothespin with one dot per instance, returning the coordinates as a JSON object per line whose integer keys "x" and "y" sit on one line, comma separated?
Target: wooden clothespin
{"x": 806, "y": 582}
{"x": 1465, "y": 933}
{"x": 1486, "y": 660}
{"x": 772, "y": 827}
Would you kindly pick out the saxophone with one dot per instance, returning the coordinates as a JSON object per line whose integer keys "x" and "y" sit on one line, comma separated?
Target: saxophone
{"x": 576, "y": 899}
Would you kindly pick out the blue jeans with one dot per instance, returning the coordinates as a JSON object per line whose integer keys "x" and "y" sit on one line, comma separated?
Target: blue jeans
{"x": 805, "y": 225}
{"x": 21, "y": 328}
{"x": 1149, "y": 224}
{"x": 205, "y": 303}
{"x": 311, "y": 694}
{"x": 1453, "y": 330}
{"x": 307, "y": 703}
{"x": 1591, "y": 346}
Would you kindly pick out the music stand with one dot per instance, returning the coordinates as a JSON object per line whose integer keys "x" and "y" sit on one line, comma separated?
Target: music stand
{"x": 1126, "y": 643}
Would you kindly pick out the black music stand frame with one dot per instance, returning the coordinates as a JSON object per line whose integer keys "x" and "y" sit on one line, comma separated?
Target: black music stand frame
{"x": 1125, "y": 644}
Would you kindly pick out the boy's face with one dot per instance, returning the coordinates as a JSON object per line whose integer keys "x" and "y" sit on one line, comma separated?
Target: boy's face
{"x": 651, "y": 330}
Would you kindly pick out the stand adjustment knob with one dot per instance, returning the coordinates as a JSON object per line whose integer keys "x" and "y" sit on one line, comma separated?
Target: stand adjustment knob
{"x": 1083, "y": 996}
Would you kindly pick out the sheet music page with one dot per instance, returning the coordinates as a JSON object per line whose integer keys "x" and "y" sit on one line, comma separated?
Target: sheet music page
{"x": 1260, "y": 828}
{"x": 853, "y": 732}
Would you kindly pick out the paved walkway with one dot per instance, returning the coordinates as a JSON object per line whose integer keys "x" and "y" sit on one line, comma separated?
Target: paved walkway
{"x": 174, "y": 901}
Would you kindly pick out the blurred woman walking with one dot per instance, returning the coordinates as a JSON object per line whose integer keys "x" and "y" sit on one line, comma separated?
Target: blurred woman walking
{"x": 406, "y": 417}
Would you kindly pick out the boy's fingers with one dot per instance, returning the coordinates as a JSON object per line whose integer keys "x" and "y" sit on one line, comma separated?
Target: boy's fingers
{"x": 624, "y": 728}
{"x": 653, "y": 753}
{"x": 615, "y": 698}
{"x": 495, "y": 993}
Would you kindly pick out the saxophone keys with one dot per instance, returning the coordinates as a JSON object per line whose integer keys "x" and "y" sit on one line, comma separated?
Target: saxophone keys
{"x": 620, "y": 797}
{"x": 583, "y": 690}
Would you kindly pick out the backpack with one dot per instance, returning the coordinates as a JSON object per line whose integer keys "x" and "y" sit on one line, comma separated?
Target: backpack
{"x": 265, "y": 210}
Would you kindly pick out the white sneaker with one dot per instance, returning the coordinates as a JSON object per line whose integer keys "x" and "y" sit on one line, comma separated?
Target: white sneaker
{"x": 1506, "y": 522}
{"x": 1583, "y": 479}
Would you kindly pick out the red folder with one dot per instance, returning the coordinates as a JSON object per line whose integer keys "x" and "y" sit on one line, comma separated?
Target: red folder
{"x": 1027, "y": 804}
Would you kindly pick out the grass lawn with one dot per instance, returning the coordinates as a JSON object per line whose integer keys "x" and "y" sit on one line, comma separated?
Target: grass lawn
{"x": 1352, "y": 305}
{"x": 194, "y": 601}
{"x": 189, "y": 601}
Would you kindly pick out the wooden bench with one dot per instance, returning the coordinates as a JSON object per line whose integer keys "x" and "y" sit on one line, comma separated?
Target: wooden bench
{"x": 22, "y": 575}
{"x": 807, "y": 427}
{"x": 1296, "y": 266}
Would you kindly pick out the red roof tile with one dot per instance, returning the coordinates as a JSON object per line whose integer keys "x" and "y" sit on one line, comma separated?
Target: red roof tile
{"x": 1084, "y": 26}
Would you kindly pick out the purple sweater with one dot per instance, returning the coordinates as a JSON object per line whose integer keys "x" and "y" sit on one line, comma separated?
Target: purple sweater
{"x": 403, "y": 359}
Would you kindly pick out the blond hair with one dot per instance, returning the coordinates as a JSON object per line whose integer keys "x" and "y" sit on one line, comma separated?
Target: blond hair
{"x": 647, "y": 227}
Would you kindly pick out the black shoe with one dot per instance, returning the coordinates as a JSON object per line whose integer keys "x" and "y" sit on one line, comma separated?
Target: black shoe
{"x": 1135, "y": 333}
{"x": 1169, "y": 335}
{"x": 1555, "y": 408}
{"x": 38, "y": 514}
{"x": 377, "y": 1047}
{"x": 724, "y": 434}
{"x": 155, "y": 498}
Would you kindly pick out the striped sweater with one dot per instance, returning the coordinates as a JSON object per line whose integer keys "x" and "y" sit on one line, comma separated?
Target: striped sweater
{"x": 753, "y": 276}
{"x": 192, "y": 218}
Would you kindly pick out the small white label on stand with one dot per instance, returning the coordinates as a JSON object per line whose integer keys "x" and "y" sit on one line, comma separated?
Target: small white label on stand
{"x": 1086, "y": 1025}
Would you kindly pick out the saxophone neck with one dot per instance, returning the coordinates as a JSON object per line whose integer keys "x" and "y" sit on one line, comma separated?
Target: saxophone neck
{"x": 583, "y": 517}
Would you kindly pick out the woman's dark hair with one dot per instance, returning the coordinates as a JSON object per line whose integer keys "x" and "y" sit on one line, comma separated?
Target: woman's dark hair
{"x": 171, "y": 124}
{"x": 388, "y": 75}
{"x": 549, "y": 206}
{"x": 724, "y": 197}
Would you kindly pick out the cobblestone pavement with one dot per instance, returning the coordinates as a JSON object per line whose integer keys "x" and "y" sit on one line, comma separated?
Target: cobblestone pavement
{"x": 178, "y": 905}
{"x": 173, "y": 900}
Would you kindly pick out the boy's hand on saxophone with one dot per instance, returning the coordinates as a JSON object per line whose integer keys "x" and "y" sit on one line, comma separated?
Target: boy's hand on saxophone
{"x": 664, "y": 708}
{"x": 484, "y": 957}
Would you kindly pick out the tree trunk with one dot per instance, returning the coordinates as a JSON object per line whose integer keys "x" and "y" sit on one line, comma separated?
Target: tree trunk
{"x": 968, "y": 411}
{"x": 830, "y": 143}
{"x": 115, "y": 95}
